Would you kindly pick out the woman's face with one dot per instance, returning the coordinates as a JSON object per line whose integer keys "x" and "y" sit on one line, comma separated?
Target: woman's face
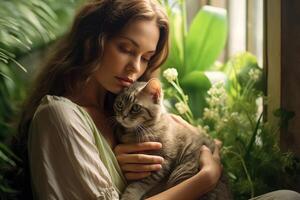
{"x": 126, "y": 56}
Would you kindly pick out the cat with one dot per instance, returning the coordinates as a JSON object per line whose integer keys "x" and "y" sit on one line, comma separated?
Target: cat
{"x": 142, "y": 117}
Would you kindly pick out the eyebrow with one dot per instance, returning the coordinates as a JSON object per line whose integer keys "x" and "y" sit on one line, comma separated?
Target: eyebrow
{"x": 135, "y": 43}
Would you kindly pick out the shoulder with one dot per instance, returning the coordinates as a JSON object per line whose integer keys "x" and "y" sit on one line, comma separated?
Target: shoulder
{"x": 59, "y": 111}
{"x": 50, "y": 102}
{"x": 60, "y": 116}
{"x": 56, "y": 107}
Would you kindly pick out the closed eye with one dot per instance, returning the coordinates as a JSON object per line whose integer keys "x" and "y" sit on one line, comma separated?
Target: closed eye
{"x": 126, "y": 50}
{"x": 146, "y": 60}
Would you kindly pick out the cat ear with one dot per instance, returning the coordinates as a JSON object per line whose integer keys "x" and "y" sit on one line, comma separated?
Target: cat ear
{"x": 153, "y": 87}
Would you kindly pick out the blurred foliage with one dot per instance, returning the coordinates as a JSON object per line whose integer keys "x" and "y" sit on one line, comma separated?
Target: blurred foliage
{"x": 229, "y": 107}
{"x": 25, "y": 27}
{"x": 251, "y": 153}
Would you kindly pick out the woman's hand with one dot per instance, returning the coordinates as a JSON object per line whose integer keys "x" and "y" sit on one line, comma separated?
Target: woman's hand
{"x": 210, "y": 162}
{"x": 136, "y": 165}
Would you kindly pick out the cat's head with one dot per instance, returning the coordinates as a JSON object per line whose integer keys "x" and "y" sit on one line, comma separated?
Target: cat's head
{"x": 139, "y": 103}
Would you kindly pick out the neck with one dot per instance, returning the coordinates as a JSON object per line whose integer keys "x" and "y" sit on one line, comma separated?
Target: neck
{"x": 91, "y": 95}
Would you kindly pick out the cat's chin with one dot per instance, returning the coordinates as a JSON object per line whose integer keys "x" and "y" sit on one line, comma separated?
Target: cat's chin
{"x": 129, "y": 127}
{"x": 125, "y": 125}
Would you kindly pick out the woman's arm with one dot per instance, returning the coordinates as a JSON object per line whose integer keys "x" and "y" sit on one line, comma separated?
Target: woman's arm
{"x": 192, "y": 188}
{"x": 63, "y": 158}
{"x": 204, "y": 181}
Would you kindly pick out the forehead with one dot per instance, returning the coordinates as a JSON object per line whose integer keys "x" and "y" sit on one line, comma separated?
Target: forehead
{"x": 144, "y": 32}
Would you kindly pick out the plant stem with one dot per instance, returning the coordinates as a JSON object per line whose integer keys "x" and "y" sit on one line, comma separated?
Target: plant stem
{"x": 183, "y": 96}
{"x": 245, "y": 170}
{"x": 252, "y": 140}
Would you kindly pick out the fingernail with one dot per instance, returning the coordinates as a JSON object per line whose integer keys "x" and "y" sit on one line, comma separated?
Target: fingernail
{"x": 204, "y": 147}
{"x": 161, "y": 159}
{"x": 159, "y": 145}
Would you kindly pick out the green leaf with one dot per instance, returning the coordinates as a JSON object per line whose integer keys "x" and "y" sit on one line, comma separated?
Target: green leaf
{"x": 8, "y": 190}
{"x": 8, "y": 153}
{"x": 206, "y": 38}
{"x": 196, "y": 80}
{"x": 195, "y": 85}
{"x": 175, "y": 58}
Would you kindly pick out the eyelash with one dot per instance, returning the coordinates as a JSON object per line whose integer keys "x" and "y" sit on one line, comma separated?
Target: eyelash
{"x": 124, "y": 50}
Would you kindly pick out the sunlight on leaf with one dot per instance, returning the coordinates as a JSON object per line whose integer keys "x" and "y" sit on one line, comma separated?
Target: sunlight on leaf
{"x": 206, "y": 38}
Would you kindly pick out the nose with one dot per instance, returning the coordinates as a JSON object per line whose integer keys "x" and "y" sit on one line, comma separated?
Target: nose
{"x": 134, "y": 65}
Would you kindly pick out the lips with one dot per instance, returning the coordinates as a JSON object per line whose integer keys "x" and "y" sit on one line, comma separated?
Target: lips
{"x": 124, "y": 81}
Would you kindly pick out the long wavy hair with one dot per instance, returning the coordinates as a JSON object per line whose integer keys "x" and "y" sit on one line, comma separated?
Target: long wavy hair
{"x": 78, "y": 54}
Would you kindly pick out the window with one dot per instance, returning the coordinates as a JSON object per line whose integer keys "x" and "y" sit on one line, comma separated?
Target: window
{"x": 245, "y": 25}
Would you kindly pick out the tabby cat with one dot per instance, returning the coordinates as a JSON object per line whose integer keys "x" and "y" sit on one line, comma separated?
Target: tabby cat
{"x": 142, "y": 117}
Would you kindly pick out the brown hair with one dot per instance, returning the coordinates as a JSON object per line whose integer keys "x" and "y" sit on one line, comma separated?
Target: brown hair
{"x": 79, "y": 51}
{"x": 78, "y": 54}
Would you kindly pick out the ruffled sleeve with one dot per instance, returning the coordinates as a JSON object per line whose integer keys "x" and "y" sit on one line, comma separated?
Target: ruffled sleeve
{"x": 64, "y": 160}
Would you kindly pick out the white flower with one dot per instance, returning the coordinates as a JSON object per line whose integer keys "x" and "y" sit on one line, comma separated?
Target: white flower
{"x": 258, "y": 140}
{"x": 170, "y": 74}
{"x": 217, "y": 95}
{"x": 211, "y": 114}
{"x": 181, "y": 107}
{"x": 225, "y": 120}
{"x": 219, "y": 126}
{"x": 206, "y": 128}
{"x": 234, "y": 116}
{"x": 254, "y": 74}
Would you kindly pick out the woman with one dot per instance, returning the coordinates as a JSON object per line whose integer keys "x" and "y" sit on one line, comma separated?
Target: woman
{"x": 65, "y": 123}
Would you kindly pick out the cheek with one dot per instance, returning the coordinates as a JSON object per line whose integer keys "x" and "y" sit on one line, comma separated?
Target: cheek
{"x": 113, "y": 59}
{"x": 141, "y": 72}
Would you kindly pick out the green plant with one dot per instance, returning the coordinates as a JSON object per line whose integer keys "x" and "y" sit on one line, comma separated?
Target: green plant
{"x": 251, "y": 154}
{"x": 195, "y": 49}
{"x": 230, "y": 109}
{"x": 25, "y": 26}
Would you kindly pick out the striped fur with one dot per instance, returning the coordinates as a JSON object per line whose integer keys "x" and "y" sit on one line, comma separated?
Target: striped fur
{"x": 181, "y": 141}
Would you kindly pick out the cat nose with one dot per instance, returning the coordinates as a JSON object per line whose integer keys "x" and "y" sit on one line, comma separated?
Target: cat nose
{"x": 124, "y": 116}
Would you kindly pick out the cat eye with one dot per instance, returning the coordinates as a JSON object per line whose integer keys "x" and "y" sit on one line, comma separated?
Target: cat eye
{"x": 119, "y": 105}
{"x": 135, "y": 108}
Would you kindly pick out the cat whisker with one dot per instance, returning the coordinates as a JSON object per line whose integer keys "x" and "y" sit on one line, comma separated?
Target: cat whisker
{"x": 148, "y": 133}
{"x": 139, "y": 132}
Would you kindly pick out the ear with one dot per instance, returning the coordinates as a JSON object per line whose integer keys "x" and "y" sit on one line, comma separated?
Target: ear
{"x": 153, "y": 88}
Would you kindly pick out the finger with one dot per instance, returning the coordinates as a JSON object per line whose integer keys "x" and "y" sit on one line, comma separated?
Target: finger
{"x": 205, "y": 149}
{"x": 139, "y": 159}
{"x": 216, "y": 154}
{"x": 136, "y": 176}
{"x": 218, "y": 143}
{"x": 205, "y": 155}
{"x": 132, "y": 148}
{"x": 140, "y": 168}
{"x": 216, "y": 151}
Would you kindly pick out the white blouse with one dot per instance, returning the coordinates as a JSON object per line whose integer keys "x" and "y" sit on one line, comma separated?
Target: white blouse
{"x": 68, "y": 158}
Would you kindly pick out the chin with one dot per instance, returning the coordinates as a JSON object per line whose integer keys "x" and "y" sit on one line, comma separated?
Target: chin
{"x": 115, "y": 90}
